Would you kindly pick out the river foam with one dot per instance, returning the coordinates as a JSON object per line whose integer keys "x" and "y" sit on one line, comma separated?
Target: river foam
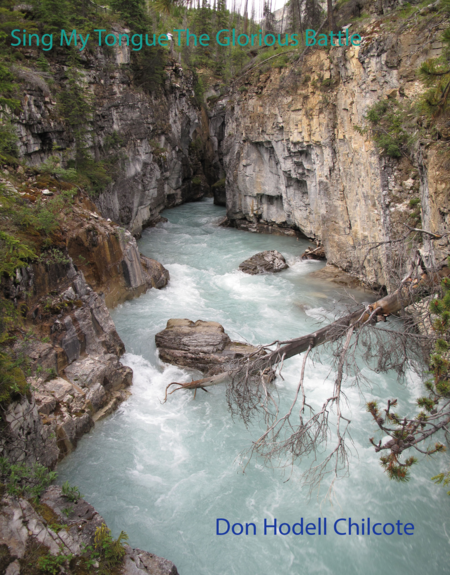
{"x": 164, "y": 472}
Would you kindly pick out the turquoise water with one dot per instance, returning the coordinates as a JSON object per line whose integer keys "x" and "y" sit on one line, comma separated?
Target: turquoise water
{"x": 165, "y": 472}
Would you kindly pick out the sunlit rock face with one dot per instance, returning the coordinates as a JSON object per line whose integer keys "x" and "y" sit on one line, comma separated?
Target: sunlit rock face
{"x": 295, "y": 159}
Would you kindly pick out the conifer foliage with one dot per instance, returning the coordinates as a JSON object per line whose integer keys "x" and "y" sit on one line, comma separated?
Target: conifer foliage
{"x": 408, "y": 432}
{"x": 148, "y": 63}
{"x": 435, "y": 74}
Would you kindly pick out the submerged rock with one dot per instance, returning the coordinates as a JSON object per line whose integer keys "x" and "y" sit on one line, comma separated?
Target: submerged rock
{"x": 155, "y": 221}
{"x": 219, "y": 191}
{"x": 202, "y": 345}
{"x": 155, "y": 274}
{"x": 263, "y": 263}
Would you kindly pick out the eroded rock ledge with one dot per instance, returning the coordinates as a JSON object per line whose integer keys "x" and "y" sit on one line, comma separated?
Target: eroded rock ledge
{"x": 202, "y": 345}
{"x": 23, "y": 529}
{"x": 77, "y": 374}
{"x": 109, "y": 256}
{"x": 334, "y": 274}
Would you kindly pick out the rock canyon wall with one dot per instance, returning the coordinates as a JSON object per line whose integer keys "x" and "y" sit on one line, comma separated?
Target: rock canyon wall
{"x": 298, "y": 160}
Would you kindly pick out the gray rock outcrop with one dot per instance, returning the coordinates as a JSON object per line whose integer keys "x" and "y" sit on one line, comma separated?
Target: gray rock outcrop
{"x": 201, "y": 345}
{"x": 156, "y": 275}
{"x": 264, "y": 263}
{"x": 78, "y": 377}
{"x": 23, "y": 529}
{"x": 156, "y": 146}
{"x": 317, "y": 253}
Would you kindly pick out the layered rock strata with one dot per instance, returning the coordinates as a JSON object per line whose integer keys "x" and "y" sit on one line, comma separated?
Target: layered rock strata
{"x": 201, "y": 345}
{"x": 295, "y": 160}
{"x": 109, "y": 256}
{"x": 70, "y": 348}
{"x": 77, "y": 373}
{"x": 156, "y": 147}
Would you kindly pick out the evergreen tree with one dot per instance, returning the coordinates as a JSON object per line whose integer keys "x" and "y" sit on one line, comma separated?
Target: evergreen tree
{"x": 312, "y": 14}
{"x": 295, "y": 9}
{"x": 330, "y": 16}
{"x": 222, "y": 23}
{"x": 203, "y": 25}
{"x": 54, "y": 14}
{"x": 133, "y": 12}
{"x": 269, "y": 18}
{"x": 148, "y": 63}
{"x": 435, "y": 74}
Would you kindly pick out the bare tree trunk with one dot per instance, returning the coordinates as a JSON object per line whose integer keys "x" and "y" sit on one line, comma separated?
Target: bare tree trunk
{"x": 411, "y": 290}
{"x": 331, "y": 20}
{"x": 305, "y": 431}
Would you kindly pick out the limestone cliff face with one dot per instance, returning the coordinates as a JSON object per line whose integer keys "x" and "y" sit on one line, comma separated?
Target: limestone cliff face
{"x": 164, "y": 148}
{"x": 156, "y": 146}
{"x": 109, "y": 257}
{"x": 294, "y": 160}
{"x": 71, "y": 353}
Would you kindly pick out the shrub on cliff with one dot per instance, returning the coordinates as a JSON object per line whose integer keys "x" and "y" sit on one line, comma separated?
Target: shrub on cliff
{"x": 8, "y": 89}
{"x": 111, "y": 550}
{"x": 22, "y": 480}
{"x": 54, "y": 13}
{"x": 435, "y": 74}
{"x": 387, "y": 125}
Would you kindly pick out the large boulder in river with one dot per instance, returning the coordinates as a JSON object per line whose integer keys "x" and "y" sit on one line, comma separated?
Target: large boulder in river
{"x": 264, "y": 263}
{"x": 202, "y": 345}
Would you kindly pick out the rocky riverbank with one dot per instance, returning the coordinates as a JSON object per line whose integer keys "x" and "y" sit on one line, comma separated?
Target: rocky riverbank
{"x": 60, "y": 532}
{"x": 69, "y": 351}
{"x": 68, "y": 344}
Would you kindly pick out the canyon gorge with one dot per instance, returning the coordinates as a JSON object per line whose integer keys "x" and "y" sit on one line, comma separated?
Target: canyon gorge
{"x": 287, "y": 151}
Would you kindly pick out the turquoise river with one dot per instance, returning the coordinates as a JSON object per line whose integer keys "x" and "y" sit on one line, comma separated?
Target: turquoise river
{"x": 164, "y": 472}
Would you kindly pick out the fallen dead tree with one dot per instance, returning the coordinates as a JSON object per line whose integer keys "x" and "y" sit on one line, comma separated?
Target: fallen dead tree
{"x": 322, "y": 434}
{"x": 411, "y": 290}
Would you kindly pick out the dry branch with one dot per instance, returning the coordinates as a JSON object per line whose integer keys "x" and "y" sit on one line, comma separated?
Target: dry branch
{"x": 414, "y": 287}
{"x": 323, "y": 435}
